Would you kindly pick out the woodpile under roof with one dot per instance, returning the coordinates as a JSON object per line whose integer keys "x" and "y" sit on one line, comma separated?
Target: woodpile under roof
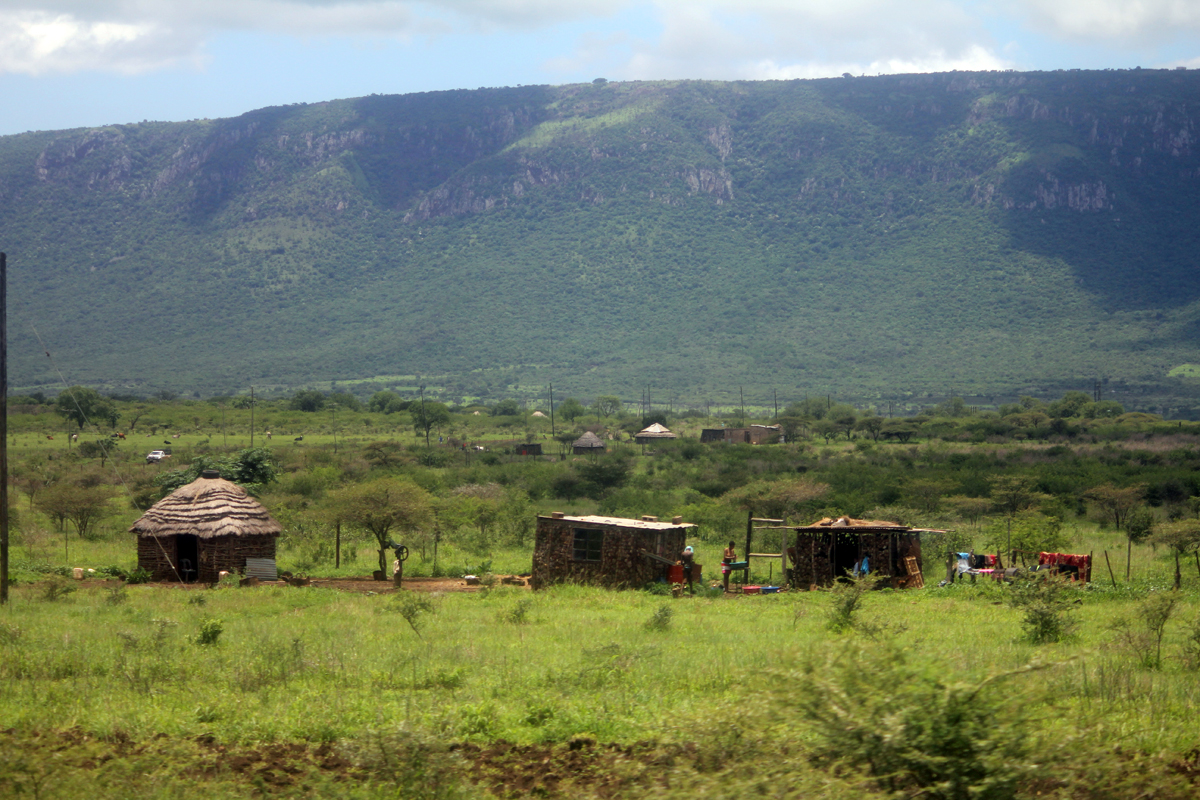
{"x": 207, "y": 507}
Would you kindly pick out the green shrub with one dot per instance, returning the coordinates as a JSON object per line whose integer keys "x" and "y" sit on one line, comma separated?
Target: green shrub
{"x": 661, "y": 619}
{"x": 210, "y": 632}
{"x": 139, "y": 575}
{"x": 914, "y": 732}
{"x": 1044, "y": 603}
{"x": 846, "y": 599}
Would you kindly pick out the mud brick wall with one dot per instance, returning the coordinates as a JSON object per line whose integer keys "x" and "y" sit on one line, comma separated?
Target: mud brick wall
{"x": 152, "y": 558}
{"x": 621, "y": 563}
{"x": 229, "y": 553}
{"x": 216, "y": 554}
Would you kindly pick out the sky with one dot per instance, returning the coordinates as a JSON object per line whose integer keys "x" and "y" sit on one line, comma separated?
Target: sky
{"x": 83, "y": 63}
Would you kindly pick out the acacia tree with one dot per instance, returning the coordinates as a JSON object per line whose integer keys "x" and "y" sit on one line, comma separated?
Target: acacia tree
{"x": 570, "y": 409}
{"x": 1117, "y": 503}
{"x": 1183, "y": 537}
{"x": 82, "y": 405}
{"x": 426, "y": 416}
{"x": 384, "y": 506}
{"x": 606, "y": 405}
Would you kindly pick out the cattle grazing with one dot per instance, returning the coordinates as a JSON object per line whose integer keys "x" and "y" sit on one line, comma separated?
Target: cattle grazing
{"x": 298, "y": 439}
{"x": 49, "y": 437}
{"x": 120, "y": 436}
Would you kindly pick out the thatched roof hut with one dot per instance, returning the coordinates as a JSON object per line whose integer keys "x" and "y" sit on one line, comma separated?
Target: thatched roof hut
{"x": 649, "y": 434}
{"x": 200, "y": 529}
{"x": 588, "y": 443}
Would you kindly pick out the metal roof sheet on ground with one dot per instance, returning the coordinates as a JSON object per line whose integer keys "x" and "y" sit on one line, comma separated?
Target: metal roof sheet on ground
{"x": 262, "y": 568}
{"x": 622, "y": 522}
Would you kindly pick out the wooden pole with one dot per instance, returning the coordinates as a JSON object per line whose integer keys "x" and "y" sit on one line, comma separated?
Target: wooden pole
{"x": 749, "y": 534}
{"x": 552, "y": 408}
{"x": 337, "y": 544}
{"x": 252, "y": 416}
{"x": 1111, "y": 577}
{"x": 3, "y": 428}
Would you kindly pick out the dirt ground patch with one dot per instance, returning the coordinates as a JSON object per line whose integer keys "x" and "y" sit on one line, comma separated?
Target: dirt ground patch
{"x": 366, "y": 585}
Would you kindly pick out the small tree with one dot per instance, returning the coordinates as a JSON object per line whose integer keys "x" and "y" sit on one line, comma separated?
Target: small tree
{"x": 1182, "y": 537}
{"x": 385, "y": 505}
{"x": 307, "y": 400}
{"x": 428, "y": 415}
{"x": 82, "y": 405}
{"x": 571, "y": 409}
{"x": 1116, "y": 503}
{"x": 606, "y": 405}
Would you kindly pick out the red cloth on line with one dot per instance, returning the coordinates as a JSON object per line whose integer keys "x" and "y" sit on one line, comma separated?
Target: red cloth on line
{"x": 1068, "y": 559}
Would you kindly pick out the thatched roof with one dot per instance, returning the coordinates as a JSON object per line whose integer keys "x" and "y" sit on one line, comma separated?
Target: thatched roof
{"x": 207, "y": 507}
{"x": 852, "y": 525}
{"x": 589, "y": 439}
{"x": 655, "y": 431}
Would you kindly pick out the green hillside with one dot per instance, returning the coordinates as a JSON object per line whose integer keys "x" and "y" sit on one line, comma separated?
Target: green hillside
{"x": 875, "y": 238}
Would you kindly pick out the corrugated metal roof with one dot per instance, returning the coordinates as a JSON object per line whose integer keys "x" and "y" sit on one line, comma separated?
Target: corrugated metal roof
{"x": 622, "y": 522}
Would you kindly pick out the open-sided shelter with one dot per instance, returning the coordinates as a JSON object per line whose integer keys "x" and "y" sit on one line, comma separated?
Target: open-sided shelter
{"x": 830, "y": 549}
{"x": 200, "y": 529}
{"x": 588, "y": 443}
{"x": 605, "y": 551}
{"x": 652, "y": 433}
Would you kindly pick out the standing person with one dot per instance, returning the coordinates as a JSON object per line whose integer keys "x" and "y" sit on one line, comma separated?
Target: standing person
{"x": 727, "y": 558}
{"x": 688, "y": 559}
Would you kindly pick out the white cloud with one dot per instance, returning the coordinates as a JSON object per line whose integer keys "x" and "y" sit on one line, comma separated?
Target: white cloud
{"x": 38, "y": 42}
{"x": 1127, "y": 22}
{"x": 758, "y": 39}
{"x": 698, "y": 38}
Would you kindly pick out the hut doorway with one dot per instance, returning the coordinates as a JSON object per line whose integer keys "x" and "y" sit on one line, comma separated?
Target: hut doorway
{"x": 845, "y": 556}
{"x": 187, "y": 555}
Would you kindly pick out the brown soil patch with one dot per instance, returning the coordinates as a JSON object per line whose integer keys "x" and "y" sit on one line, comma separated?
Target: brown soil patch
{"x": 367, "y": 585}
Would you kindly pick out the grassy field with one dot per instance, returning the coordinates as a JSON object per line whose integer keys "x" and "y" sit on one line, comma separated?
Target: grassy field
{"x": 130, "y": 691}
{"x": 301, "y": 687}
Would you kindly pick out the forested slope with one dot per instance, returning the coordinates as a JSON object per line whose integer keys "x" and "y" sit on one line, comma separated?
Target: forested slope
{"x": 981, "y": 233}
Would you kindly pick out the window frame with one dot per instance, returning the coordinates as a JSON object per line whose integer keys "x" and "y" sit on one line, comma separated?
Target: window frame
{"x": 592, "y": 544}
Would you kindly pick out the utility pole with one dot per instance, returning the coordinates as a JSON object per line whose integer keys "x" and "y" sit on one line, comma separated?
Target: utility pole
{"x": 424, "y": 419}
{"x": 333, "y": 410}
{"x": 3, "y": 429}
{"x": 775, "y": 393}
{"x": 252, "y": 415}
{"x": 742, "y": 395}
{"x": 551, "y": 408}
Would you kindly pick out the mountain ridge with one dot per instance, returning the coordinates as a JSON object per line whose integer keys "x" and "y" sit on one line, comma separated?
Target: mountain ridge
{"x": 985, "y": 233}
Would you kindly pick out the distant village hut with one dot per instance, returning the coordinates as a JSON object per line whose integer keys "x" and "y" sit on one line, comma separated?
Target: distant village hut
{"x": 754, "y": 434}
{"x": 203, "y": 528}
{"x": 587, "y": 444}
{"x": 605, "y": 551}
{"x": 653, "y": 434}
{"x": 831, "y": 549}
